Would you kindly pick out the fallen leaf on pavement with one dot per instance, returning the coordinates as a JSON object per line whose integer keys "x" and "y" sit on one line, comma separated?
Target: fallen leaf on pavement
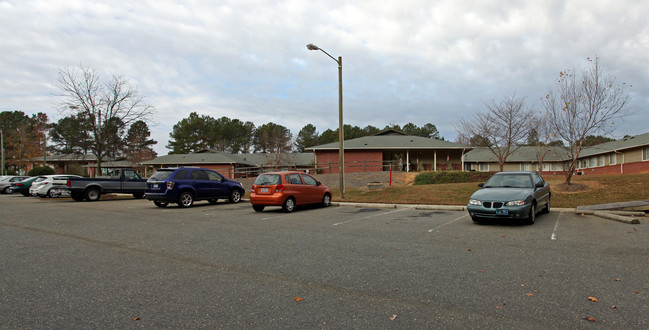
{"x": 589, "y": 318}
{"x": 298, "y": 299}
{"x": 592, "y": 299}
{"x": 394, "y": 317}
{"x": 529, "y": 294}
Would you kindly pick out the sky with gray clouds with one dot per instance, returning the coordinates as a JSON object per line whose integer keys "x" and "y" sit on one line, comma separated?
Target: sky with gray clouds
{"x": 416, "y": 61}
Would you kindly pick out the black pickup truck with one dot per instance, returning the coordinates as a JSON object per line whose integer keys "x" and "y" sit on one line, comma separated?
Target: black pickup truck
{"x": 124, "y": 181}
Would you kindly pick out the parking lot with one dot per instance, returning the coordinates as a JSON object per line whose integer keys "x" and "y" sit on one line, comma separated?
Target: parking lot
{"x": 125, "y": 263}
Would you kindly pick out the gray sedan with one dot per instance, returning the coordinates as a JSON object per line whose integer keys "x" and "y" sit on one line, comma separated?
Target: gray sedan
{"x": 510, "y": 195}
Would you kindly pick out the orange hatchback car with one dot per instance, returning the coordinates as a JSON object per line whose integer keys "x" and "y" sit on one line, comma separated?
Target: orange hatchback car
{"x": 288, "y": 189}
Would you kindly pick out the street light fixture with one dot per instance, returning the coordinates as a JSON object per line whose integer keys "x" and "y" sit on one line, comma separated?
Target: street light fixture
{"x": 341, "y": 149}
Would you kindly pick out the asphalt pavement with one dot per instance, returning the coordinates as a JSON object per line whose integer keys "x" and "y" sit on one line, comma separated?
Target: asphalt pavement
{"x": 125, "y": 263}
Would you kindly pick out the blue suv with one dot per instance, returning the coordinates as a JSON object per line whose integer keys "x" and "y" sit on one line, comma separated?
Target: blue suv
{"x": 184, "y": 185}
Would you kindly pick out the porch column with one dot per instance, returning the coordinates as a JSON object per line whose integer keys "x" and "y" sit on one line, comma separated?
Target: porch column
{"x": 435, "y": 160}
{"x": 407, "y": 160}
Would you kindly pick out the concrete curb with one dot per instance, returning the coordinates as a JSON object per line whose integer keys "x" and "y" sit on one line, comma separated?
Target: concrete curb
{"x": 611, "y": 216}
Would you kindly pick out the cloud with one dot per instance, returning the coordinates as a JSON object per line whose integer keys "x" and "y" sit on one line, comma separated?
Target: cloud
{"x": 405, "y": 61}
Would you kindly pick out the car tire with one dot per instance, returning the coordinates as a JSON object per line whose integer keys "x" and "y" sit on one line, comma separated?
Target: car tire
{"x": 326, "y": 200}
{"x": 531, "y": 218}
{"x": 5, "y": 190}
{"x": 77, "y": 196}
{"x": 546, "y": 209}
{"x": 92, "y": 194}
{"x": 138, "y": 195}
{"x": 186, "y": 199}
{"x": 289, "y": 205}
{"x": 235, "y": 196}
{"x": 53, "y": 193}
{"x": 258, "y": 208}
{"x": 160, "y": 204}
{"x": 26, "y": 194}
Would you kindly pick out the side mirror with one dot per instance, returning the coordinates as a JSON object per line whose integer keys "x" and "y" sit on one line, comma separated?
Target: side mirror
{"x": 480, "y": 184}
{"x": 317, "y": 183}
{"x": 540, "y": 184}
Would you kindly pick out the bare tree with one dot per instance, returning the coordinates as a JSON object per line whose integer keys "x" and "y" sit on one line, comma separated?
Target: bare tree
{"x": 105, "y": 104}
{"x": 582, "y": 105}
{"x": 502, "y": 128}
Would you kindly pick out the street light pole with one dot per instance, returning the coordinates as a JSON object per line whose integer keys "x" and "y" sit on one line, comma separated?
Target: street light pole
{"x": 341, "y": 135}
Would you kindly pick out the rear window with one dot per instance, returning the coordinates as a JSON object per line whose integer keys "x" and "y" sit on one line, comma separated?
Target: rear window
{"x": 268, "y": 179}
{"x": 161, "y": 175}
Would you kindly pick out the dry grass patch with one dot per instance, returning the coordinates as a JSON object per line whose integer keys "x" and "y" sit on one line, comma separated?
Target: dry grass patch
{"x": 584, "y": 190}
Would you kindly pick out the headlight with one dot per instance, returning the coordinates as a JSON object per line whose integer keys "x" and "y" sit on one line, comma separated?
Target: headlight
{"x": 474, "y": 202}
{"x": 515, "y": 203}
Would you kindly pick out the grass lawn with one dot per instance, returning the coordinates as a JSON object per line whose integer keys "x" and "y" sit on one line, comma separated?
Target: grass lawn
{"x": 585, "y": 190}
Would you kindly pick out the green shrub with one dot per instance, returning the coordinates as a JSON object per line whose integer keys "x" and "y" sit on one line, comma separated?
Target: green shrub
{"x": 41, "y": 170}
{"x": 451, "y": 177}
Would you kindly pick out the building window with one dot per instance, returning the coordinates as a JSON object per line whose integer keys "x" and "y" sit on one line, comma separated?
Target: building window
{"x": 600, "y": 160}
{"x": 556, "y": 167}
{"x": 546, "y": 167}
{"x": 613, "y": 159}
{"x": 592, "y": 161}
{"x": 526, "y": 167}
{"x": 483, "y": 167}
{"x": 645, "y": 153}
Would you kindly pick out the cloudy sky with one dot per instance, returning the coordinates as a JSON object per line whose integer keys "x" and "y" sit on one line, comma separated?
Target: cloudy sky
{"x": 416, "y": 61}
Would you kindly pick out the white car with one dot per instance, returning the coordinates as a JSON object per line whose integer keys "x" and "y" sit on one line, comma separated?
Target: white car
{"x": 43, "y": 188}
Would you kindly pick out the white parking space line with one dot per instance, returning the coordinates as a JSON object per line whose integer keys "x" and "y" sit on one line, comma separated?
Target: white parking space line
{"x": 444, "y": 224}
{"x": 372, "y": 216}
{"x": 556, "y": 228}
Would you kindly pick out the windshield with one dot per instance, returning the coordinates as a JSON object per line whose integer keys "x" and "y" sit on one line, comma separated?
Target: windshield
{"x": 268, "y": 179}
{"x": 509, "y": 181}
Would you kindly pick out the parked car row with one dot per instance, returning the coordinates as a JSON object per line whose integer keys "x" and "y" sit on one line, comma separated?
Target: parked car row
{"x": 182, "y": 186}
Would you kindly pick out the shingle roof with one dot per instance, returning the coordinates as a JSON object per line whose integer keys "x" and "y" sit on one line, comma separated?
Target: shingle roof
{"x": 217, "y": 157}
{"x": 391, "y": 142}
{"x": 626, "y": 143}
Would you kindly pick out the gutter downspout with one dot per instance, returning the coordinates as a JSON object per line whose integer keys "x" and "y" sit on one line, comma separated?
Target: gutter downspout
{"x": 622, "y": 163}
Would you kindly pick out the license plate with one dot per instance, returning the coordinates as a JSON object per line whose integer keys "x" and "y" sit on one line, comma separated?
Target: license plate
{"x": 502, "y": 212}
{"x": 154, "y": 186}
{"x": 263, "y": 190}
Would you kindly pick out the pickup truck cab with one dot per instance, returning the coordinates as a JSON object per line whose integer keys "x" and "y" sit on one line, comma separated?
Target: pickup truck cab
{"x": 123, "y": 180}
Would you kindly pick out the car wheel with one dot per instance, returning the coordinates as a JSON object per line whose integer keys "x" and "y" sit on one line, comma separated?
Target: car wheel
{"x": 92, "y": 194}
{"x": 213, "y": 200}
{"x": 52, "y": 193}
{"x": 532, "y": 216}
{"x": 258, "y": 208}
{"x": 546, "y": 209}
{"x": 77, "y": 196}
{"x": 5, "y": 190}
{"x": 160, "y": 204}
{"x": 26, "y": 194}
{"x": 235, "y": 196}
{"x": 326, "y": 200}
{"x": 186, "y": 199}
{"x": 289, "y": 205}
{"x": 138, "y": 195}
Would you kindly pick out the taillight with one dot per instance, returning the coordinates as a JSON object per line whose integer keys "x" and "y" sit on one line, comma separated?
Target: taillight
{"x": 67, "y": 183}
{"x": 279, "y": 187}
{"x": 170, "y": 184}
{"x": 18, "y": 184}
{"x": 254, "y": 186}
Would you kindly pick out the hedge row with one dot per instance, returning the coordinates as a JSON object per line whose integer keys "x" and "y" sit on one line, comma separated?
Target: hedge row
{"x": 451, "y": 177}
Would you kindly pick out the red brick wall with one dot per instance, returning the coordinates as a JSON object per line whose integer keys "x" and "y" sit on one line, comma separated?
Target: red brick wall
{"x": 628, "y": 168}
{"x": 355, "y": 161}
